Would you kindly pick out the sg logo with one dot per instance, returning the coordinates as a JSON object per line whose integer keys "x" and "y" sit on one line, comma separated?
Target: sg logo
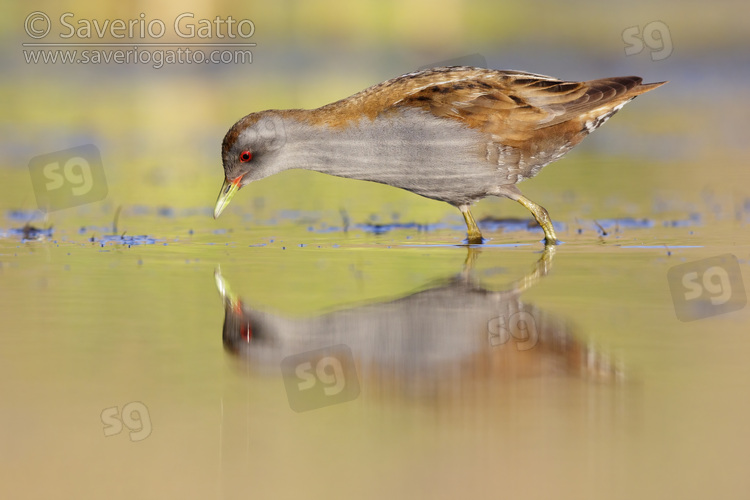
{"x": 76, "y": 171}
{"x": 320, "y": 378}
{"x": 656, "y": 37}
{"x": 328, "y": 371}
{"x": 134, "y": 415}
{"x": 520, "y": 325}
{"x": 68, "y": 178}
{"x": 707, "y": 287}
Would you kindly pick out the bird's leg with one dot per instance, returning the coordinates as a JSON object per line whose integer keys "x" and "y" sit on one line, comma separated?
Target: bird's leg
{"x": 542, "y": 217}
{"x": 473, "y": 232}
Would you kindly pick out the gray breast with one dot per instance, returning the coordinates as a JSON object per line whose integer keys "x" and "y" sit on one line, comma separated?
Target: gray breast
{"x": 434, "y": 157}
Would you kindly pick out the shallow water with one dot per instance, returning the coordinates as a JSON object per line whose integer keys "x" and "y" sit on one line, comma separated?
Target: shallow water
{"x": 557, "y": 374}
{"x": 328, "y": 338}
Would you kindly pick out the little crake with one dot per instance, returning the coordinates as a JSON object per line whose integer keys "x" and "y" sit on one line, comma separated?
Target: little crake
{"x": 454, "y": 134}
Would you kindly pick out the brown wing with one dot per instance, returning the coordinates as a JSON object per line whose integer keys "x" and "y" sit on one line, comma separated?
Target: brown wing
{"x": 514, "y": 106}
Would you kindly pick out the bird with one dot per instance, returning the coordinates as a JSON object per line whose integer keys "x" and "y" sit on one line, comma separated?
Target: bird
{"x": 455, "y": 134}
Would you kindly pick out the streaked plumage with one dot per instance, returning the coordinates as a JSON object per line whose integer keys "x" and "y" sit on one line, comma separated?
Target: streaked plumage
{"x": 454, "y": 134}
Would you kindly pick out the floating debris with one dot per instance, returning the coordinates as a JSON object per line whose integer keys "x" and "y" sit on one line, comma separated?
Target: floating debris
{"x": 692, "y": 220}
{"x": 124, "y": 239}
{"x": 30, "y": 233}
{"x": 624, "y": 223}
{"x": 376, "y": 228}
{"x": 514, "y": 224}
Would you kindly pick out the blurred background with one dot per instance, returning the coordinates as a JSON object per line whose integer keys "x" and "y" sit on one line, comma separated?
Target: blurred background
{"x": 114, "y": 314}
{"x": 159, "y": 130}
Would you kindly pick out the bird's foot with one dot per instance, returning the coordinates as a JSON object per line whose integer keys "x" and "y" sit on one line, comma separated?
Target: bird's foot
{"x": 475, "y": 240}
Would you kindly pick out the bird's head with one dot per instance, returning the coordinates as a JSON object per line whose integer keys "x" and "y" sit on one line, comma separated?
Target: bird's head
{"x": 250, "y": 151}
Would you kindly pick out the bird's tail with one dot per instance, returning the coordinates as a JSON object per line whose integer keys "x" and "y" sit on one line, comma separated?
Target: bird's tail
{"x": 645, "y": 87}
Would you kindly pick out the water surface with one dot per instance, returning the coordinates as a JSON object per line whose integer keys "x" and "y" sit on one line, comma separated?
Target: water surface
{"x": 595, "y": 384}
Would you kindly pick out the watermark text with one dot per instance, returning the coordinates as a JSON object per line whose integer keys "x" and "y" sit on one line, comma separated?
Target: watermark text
{"x": 319, "y": 378}
{"x": 134, "y": 416}
{"x": 707, "y": 287}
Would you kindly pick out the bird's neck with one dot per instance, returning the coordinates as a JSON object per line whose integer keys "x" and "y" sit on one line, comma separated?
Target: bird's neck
{"x": 339, "y": 149}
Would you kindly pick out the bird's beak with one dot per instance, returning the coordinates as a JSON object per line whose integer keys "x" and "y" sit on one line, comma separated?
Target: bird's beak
{"x": 228, "y": 190}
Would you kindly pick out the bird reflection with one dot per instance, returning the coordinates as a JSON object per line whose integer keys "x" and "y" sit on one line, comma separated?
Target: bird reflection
{"x": 434, "y": 341}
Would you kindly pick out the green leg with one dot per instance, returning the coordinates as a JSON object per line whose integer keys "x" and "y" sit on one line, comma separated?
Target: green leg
{"x": 473, "y": 232}
{"x": 542, "y": 217}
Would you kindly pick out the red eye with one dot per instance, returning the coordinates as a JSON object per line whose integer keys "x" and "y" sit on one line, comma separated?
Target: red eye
{"x": 246, "y": 156}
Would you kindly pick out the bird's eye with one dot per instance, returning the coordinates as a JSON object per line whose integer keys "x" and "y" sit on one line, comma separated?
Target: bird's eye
{"x": 246, "y": 156}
